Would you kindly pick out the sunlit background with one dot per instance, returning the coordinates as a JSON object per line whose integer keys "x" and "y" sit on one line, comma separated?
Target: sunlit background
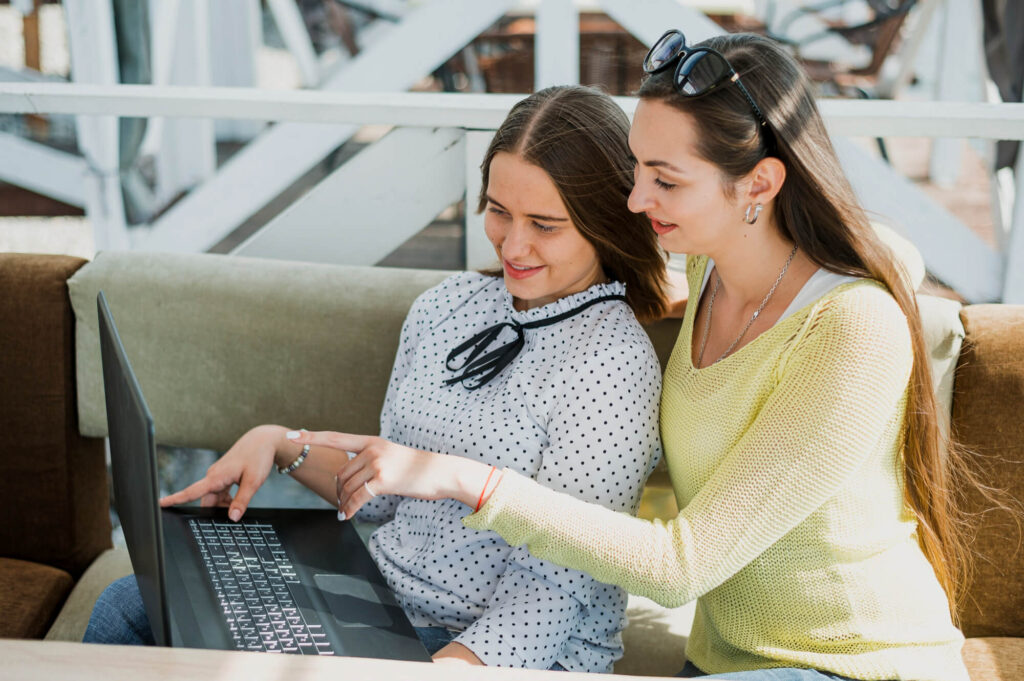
{"x": 78, "y": 185}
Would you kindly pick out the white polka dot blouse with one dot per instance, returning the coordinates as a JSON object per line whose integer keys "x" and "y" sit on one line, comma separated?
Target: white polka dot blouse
{"x": 577, "y": 410}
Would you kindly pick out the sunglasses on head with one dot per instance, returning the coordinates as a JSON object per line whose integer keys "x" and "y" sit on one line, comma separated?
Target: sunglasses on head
{"x": 699, "y": 70}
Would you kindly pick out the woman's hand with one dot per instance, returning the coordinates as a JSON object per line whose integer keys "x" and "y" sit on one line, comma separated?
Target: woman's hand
{"x": 246, "y": 464}
{"x": 456, "y": 653}
{"x": 383, "y": 467}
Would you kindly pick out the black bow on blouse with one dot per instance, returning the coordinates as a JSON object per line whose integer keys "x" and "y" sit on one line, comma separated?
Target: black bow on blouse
{"x": 479, "y": 368}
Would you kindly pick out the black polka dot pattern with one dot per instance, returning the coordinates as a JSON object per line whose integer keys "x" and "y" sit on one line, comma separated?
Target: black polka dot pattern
{"x": 577, "y": 410}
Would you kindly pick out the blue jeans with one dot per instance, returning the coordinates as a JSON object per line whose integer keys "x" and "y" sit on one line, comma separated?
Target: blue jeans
{"x": 690, "y": 671}
{"x": 119, "y": 617}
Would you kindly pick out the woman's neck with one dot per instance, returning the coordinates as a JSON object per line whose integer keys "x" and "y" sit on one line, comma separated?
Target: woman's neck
{"x": 750, "y": 265}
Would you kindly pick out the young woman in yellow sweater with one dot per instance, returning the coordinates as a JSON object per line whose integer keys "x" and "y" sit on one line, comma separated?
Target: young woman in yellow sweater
{"x": 817, "y": 531}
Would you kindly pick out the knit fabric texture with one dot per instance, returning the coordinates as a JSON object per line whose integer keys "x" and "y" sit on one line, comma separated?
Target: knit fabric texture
{"x": 785, "y": 458}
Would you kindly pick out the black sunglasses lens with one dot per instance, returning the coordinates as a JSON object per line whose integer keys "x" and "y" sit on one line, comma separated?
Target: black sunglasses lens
{"x": 664, "y": 51}
{"x": 701, "y": 71}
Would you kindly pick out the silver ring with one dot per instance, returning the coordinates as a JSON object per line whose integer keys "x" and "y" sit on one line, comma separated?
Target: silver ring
{"x": 366, "y": 486}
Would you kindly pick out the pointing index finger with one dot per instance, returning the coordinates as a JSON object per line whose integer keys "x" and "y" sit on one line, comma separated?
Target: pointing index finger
{"x": 190, "y": 493}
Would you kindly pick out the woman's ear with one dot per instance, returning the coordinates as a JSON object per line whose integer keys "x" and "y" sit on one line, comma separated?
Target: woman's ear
{"x": 765, "y": 180}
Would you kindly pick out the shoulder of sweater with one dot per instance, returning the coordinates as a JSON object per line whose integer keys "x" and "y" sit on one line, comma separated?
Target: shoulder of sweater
{"x": 864, "y": 300}
{"x": 864, "y": 312}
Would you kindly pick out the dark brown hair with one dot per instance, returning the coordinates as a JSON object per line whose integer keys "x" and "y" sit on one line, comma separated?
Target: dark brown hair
{"x": 578, "y": 136}
{"x": 816, "y": 209}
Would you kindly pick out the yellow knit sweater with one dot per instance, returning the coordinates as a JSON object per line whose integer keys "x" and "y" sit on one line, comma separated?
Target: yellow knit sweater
{"x": 794, "y": 537}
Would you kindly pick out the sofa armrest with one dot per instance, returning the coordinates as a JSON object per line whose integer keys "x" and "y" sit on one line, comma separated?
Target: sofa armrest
{"x": 53, "y": 481}
{"x": 988, "y": 399}
{"x": 73, "y": 618}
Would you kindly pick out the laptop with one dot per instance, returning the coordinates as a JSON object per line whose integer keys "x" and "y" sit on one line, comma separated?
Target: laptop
{"x": 281, "y": 580}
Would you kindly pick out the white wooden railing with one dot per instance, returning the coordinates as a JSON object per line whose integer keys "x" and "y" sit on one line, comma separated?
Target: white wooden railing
{"x": 431, "y": 159}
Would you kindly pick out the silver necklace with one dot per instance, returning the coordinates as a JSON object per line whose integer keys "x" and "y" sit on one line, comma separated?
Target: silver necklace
{"x": 711, "y": 305}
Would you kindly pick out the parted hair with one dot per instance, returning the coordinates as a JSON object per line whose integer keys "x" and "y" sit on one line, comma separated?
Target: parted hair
{"x": 578, "y": 136}
{"x": 817, "y": 210}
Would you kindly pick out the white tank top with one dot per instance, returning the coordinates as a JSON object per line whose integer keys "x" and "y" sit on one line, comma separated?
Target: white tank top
{"x": 820, "y": 283}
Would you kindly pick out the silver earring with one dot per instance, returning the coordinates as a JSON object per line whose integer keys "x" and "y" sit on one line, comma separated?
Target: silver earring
{"x": 747, "y": 218}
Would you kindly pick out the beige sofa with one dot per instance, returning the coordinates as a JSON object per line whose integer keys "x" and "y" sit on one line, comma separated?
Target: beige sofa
{"x": 222, "y": 343}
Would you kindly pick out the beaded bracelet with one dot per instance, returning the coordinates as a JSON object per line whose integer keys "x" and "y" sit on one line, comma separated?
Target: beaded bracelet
{"x": 298, "y": 460}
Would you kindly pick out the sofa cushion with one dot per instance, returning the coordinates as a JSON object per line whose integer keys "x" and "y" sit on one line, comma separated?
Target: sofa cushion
{"x": 655, "y": 640}
{"x": 30, "y": 595}
{"x": 53, "y": 482}
{"x": 943, "y": 336}
{"x": 994, "y": 659}
{"x": 988, "y": 395}
{"x": 223, "y": 343}
{"x": 73, "y": 618}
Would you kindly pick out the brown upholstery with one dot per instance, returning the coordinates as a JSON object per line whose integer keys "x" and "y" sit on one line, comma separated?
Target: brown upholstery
{"x": 53, "y": 482}
{"x": 988, "y": 418}
{"x": 995, "y": 659}
{"x": 30, "y": 596}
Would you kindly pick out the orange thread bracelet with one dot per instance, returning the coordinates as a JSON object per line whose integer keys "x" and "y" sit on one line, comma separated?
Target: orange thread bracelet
{"x": 480, "y": 501}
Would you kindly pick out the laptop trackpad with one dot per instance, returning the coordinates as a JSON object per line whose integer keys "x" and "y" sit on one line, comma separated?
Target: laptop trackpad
{"x": 353, "y": 601}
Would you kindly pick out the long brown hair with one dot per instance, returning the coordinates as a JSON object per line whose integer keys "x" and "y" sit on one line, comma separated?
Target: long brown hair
{"x": 578, "y": 136}
{"x": 817, "y": 210}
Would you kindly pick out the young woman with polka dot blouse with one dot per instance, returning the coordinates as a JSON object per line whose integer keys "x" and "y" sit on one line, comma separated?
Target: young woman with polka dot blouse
{"x": 817, "y": 531}
{"x": 540, "y": 367}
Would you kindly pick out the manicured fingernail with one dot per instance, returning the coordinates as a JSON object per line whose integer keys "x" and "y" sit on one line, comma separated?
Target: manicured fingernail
{"x": 234, "y": 514}
{"x": 341, "y": 515}
{"x": 293, "y": 434}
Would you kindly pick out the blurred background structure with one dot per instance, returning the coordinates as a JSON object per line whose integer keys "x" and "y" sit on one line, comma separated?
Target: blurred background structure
{"x": 351, "y": 131}
{"x": 317, "y": 153}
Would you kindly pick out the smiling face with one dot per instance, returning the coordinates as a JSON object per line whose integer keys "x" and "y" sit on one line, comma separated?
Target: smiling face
{"x": 543, "y": 256}
{"x": 679, "y": 191}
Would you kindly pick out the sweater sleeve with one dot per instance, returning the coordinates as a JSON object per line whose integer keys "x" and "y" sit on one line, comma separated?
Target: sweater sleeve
{"x": 839, "y": 390}
{"x": 603, "y": 445}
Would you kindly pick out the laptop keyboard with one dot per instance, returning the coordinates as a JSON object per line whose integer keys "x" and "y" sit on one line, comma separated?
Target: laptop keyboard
{"x": 251, "y": 575}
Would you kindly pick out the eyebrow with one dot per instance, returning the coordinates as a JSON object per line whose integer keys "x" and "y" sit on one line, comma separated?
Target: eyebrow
{"x": 530, "y": 215}
{"x": 664, "y": 164}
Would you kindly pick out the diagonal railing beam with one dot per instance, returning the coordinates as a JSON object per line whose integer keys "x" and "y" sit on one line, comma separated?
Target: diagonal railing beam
{"x": 43, "y": 169}
{"x": 422, "y": 41}
{"x": 952, "y": 252}
{"x": 378, "y": 216}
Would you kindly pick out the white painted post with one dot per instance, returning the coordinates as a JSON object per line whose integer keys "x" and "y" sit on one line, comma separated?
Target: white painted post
{"x": 94, "y": 60}
{"x": 1013, "y": 288}
{"x": 163, "y": 39}
{"x": 187, "y": 152}
{"x": 296, "y": 38}
{"x": 479, "y": 252}
{"x": 238, "y": 29}
{"x": 960, "y": 80}
{"x": 556, "y": 56}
